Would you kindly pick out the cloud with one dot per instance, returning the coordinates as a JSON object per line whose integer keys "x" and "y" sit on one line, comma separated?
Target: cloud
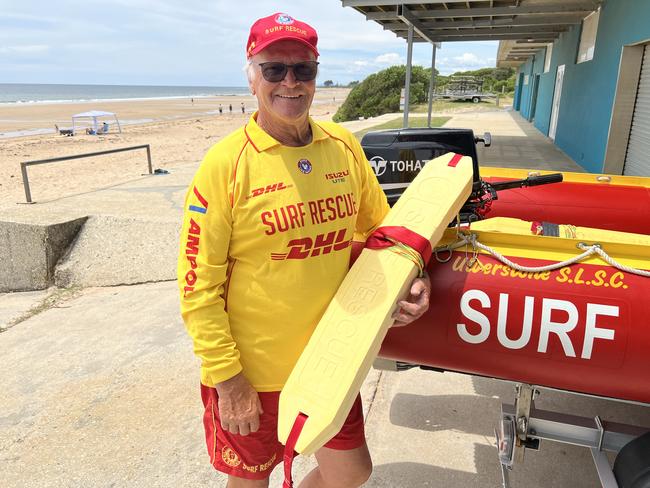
{"x": 464, "y": 62}
{"x": 193, "y": 42}
{"x": 29, "y": 49}
{"x": 468, "y": 59}
{"x": 389, "y": 58}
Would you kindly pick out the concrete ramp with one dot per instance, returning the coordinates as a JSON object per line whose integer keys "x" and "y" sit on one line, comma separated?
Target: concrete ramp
{"x": 113, "y": 251}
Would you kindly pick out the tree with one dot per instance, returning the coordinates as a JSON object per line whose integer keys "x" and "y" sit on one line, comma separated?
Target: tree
{"x": 380, "y": 92}
{"x": 328, "y": 83}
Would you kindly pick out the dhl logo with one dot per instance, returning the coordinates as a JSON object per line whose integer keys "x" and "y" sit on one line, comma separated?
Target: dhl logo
{"x": 268, "y": 189}
{"x": 307, "y": 247}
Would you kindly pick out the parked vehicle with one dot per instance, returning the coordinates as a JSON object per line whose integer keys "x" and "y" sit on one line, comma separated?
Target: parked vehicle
{"x": 467, "y": 88}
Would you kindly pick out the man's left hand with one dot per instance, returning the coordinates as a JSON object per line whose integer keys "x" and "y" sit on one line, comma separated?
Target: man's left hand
{"x": 416, "y": 303}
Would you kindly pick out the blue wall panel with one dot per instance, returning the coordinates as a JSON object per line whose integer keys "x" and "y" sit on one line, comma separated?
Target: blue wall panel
{"x": 525, "y": 88}
{"x": 589, "y": 88}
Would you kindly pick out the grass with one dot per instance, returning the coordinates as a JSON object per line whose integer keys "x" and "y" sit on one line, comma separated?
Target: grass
{"x": 398, "y": 122}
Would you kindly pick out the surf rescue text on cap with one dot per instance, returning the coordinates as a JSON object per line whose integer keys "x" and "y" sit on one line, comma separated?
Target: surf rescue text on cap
{"x": 279, "y": 27}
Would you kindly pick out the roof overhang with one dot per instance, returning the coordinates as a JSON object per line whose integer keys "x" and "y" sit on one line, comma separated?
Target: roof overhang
{"x": 522, "y": 26}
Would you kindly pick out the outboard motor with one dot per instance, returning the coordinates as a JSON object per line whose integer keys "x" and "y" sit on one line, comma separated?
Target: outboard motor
{"x": 397, "y": 155}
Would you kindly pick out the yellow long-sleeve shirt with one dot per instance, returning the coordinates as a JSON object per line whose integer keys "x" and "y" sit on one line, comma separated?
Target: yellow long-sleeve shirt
{"x": 265, "y": 244}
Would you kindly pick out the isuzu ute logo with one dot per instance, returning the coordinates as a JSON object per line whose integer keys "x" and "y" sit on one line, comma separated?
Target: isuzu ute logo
{"x": 379, "y": 165}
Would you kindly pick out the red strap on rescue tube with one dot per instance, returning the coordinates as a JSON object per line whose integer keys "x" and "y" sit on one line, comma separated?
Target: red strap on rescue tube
{"x": 378, "y": 240}
{"x": 289, "y": 453}
{"x": 455, "y": 160}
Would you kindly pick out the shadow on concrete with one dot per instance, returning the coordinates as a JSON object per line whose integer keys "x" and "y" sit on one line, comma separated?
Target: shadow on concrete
{"x": 568, "y": 402}
{"x": 464, "y": 413}
{"x": 555, "y": 465}
{"x": 411, "y": 475}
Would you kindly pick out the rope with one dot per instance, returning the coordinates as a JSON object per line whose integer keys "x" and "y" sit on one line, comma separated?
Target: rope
{"x": 598, "y": 250}
{"x": 407, "y": 252}
{"x": 471, "y": 239}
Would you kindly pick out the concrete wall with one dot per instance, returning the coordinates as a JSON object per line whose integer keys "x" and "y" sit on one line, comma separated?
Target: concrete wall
{"x": 589, "y": 87}
{"x": 29, "y": 252}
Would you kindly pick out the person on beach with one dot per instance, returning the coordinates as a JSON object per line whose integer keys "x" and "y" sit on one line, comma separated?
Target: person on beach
{"x": 267, "y": 239}
{"x": 230, "y": 108}
{"x": 220, "y": 109}
{"x": 243, "y": 108}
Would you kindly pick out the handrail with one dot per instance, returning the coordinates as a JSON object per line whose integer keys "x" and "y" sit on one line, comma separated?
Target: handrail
{"x": 24, "y": 165}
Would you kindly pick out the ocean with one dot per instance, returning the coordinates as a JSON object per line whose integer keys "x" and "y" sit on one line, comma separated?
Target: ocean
{"x": 46, "y": 93}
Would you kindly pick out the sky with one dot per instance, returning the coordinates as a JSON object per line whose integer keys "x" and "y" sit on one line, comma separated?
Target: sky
{"x": 194, "y": 42}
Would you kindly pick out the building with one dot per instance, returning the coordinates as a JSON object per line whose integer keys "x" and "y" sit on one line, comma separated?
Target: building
{"x": 588, "y": 89}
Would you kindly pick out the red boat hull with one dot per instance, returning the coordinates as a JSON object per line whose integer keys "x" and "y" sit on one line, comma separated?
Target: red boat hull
{"x": 601, "y": 206}
{"x": 583, "y": 328}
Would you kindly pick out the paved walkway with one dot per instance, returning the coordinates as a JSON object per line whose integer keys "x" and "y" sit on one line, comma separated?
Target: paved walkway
{"x": 515, "y": 142}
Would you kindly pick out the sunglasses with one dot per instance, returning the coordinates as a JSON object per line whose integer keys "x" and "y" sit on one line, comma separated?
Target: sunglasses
{"x": 275, "y": 72}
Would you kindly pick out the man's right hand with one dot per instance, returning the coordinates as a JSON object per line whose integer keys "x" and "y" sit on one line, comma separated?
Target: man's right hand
{"x": 239, "y": 405}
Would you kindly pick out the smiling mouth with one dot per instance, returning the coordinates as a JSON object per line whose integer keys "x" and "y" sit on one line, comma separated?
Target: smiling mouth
{"x": 289, "y": 97}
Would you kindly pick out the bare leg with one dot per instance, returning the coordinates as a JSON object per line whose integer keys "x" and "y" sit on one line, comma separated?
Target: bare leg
{"x": 340, "y": 469}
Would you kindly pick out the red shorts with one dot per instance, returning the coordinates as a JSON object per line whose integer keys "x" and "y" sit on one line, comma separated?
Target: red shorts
{"x": 255, "y": 455}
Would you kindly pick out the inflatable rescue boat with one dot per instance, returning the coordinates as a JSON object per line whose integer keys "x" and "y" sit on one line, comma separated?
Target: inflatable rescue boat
{"x": 542, "y": 279}
{"x": 509, "y": 297}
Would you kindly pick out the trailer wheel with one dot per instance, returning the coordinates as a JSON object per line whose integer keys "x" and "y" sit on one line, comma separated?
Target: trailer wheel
{"x": 476, "y": 99}
{"x": 632, "y": 465}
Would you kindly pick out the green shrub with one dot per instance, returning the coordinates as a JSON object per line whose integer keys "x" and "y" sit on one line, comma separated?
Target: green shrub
{"x": 380, "y": 92}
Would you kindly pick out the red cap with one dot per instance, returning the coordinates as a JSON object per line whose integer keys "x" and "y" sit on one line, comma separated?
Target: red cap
{"x": 279, "y": 27}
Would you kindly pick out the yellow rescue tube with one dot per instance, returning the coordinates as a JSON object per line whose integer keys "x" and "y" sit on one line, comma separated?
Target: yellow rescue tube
{"x": 331, "y": 369}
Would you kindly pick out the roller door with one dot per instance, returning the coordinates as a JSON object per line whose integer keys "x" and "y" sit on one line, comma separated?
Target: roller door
{"x": 637, "y": 158}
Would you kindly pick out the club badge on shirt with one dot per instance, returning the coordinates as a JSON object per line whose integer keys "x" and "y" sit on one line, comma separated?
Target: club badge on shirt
{"x": 305, "y": 166}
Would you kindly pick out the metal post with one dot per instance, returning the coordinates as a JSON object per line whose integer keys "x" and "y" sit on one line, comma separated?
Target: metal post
{"x": 28, "y": 193}
{"x": 149, "y": 159}
{"x": 432, "y": 82}
{"x": 407, "y": 84}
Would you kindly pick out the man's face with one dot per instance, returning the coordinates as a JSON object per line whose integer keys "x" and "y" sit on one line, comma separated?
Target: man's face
{"x": 285, "y": 101}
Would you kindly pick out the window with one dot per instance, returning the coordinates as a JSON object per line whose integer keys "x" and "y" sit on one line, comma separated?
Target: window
{"x": 547, "y": 57}
{"x": 588, "y": 37}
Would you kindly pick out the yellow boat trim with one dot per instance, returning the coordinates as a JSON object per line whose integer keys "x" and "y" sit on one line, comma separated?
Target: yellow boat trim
{"x": 591, "y": 178}
{"x": 556, "y": 249}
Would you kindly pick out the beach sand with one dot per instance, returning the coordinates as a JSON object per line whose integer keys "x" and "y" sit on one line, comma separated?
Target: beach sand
{"x": 179, "y": 132}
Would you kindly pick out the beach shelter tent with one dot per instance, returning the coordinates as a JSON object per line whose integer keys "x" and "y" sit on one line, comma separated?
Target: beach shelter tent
{"x": 91, "y": 118}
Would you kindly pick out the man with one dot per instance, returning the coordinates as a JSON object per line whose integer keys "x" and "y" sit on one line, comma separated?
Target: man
{"x": 266, "y": 241}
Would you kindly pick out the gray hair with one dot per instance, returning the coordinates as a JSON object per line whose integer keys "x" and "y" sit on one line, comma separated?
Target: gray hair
{"x": 249, "y": 68}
